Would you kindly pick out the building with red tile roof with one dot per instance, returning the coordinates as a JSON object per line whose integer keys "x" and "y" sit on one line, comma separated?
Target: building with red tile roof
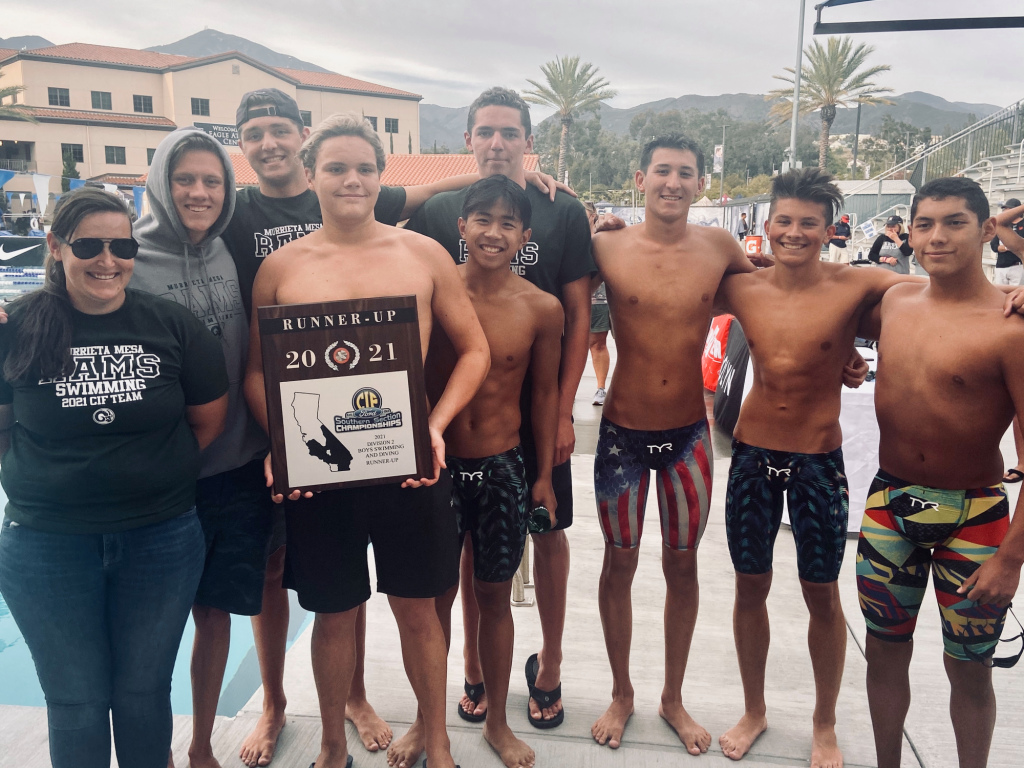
{"x": 109, "y": 107}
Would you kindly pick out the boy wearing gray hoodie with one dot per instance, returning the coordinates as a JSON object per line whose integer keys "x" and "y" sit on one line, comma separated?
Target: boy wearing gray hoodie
{"x": 191, "y": 191}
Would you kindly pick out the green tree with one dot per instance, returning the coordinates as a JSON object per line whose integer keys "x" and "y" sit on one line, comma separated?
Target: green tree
{"x": 833, "y": 77}
{"x": 13, "y": 111}
{"x": 68, "y": 172}
{"x": 572, "y": 89}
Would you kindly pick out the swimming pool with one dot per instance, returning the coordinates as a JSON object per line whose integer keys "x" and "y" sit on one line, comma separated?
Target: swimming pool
{"x": 19, "y": 685}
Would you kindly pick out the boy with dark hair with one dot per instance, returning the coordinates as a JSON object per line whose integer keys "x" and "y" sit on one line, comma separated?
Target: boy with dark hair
{"x": 281, "y": 209}
{"x": 411, "y": 526}
{"x": 557, "y": 260}
{"x": 800, "y": 319}
{"x": 950, "y": 379}
{"x": 661, "y": 277}
{"x": 523, "y": 325}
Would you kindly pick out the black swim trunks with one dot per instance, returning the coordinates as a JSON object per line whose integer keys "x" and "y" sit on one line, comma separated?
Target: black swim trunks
{"x": 236, "y": 513}
{"x": 815, "y": 489}
{"x": 492, "y": 504}
{"x": 413, "y": 532}
{"x": 561, "y": 474}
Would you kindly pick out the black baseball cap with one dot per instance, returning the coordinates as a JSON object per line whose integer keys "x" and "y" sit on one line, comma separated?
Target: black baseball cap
{"x": 267, "y": 102}
{"x": 1013, "y": 202}
{"x": 893, "y": 220}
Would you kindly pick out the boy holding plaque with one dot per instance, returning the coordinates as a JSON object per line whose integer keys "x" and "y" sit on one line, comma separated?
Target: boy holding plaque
{"x": 491, "y": 498}
{"x": 411, "y": 526}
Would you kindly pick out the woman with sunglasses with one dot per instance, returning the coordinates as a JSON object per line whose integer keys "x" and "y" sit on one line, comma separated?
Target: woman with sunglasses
{"x": 107, "y": 396}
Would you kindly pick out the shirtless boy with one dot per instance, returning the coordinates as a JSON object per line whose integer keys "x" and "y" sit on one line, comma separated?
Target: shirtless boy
{"x": 950, "y": 379}
{"x": 800, "y": 319}
{"x": 523, "y": 325}
{"x": 661, "y": 276}
{"x": 354, "y": 256}
{"x": 281, "y": 209}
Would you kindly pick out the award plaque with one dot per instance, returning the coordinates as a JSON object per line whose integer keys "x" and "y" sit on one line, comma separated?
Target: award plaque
{"x": 346, "y": 399}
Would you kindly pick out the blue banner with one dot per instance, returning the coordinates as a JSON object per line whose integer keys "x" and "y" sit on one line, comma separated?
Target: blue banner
{"x": 137, "y": 194}
{"x": 75, "y": 183}
{"x": 6, "y": 176}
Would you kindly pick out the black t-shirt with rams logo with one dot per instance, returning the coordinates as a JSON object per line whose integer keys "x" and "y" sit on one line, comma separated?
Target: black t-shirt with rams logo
{"x": 559, "y": 249}
{"x": 261, "y": 225}
{"x": 107, "y": 448}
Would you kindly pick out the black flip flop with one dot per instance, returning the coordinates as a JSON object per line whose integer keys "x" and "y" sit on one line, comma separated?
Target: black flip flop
{"x": 474, "y": 693}
{"x": 542, "y": 697}
{"x": 1013, "y": 476}
{"x": 348, "y": 763}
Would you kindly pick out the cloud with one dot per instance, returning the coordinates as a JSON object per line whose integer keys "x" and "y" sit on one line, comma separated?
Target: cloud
{"x": 450, "y": 50}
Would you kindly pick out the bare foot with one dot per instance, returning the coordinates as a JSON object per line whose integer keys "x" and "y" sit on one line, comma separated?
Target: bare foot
{"x": 204, "y": 759}
{"x": 513, "y": 752}
{"x": 693, "y": 736}
{"x": 480, "y": 708}
{"x": 738, "y": 740}
{"x": 824, "y": 749}
{"x": 609, "y": 726}
{"x": 258, "y": 747}
{"x": 373, "y": 731}
{"x": 406, "y": 750}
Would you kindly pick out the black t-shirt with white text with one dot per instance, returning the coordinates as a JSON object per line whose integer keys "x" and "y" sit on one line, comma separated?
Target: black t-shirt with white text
{"x": 260, "y": 225}
{"x": 107, "y": 448}
{"x": 559, "y": 249}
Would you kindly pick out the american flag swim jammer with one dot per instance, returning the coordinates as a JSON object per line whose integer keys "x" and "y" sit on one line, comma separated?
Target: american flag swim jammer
{"x": 681, "y": 459}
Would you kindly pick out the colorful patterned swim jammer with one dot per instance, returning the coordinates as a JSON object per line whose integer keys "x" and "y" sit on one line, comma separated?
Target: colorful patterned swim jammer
{"x": 818, "y": 497}
{"x": 681, "y": 459}
{"x": 908, "y": 528}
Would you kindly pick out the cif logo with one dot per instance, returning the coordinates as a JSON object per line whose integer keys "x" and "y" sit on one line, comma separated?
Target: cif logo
{"x": 365, "y": 399}
{"x": 103, "y": 416}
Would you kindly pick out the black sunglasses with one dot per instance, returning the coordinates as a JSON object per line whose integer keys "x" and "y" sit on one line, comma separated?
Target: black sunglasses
{"x": 1006, "y": 661}
{"x": 91, "y": 247}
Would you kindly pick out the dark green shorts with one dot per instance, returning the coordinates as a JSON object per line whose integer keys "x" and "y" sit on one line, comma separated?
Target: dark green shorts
{"x": 600, "y": 318}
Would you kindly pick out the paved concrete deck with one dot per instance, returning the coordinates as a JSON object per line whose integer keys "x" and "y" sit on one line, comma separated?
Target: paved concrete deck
{"x": 712, "y": 691}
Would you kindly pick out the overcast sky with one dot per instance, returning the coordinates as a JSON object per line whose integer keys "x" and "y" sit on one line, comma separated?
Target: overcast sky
{"x": 450, "y": 50}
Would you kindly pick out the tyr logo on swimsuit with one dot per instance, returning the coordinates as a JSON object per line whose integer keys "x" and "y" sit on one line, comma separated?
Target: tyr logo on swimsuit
{"x": 914, "y": 501}
{"x": 472, "y": 475}
{"x": 660, "y": 448}
{"x": 778, "y": 472}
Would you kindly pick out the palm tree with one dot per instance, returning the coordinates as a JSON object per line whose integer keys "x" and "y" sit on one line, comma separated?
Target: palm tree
{"x": 571, "y": 90}
{"x": 12, "y": 110}
{"x": 830, "y": 79}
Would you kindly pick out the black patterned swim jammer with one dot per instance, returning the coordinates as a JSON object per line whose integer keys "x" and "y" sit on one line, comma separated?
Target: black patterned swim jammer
{"x": 492, "y": 504}
{"x": 815, "y": 489}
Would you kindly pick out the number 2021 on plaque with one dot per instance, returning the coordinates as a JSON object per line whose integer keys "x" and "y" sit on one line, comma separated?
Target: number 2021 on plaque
{"x": 345, "y": 393}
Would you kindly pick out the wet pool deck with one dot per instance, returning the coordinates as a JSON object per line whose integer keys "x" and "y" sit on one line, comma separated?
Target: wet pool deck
{"x": 712, "y": 691}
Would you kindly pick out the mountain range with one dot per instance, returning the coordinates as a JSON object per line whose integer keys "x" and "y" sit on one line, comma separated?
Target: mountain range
{"x": 445, "y": 125}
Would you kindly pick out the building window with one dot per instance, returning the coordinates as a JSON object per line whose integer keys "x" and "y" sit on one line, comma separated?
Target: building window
{"x": 371, "y": 120}
{"x": 201, "y": 107}
{"x": 76, "y": 151}
{"x": 149, "y": 156}
{"x": 115, "y": 155}
{"x": 59, "y": 97}
{"x": 307, "y": 118}
{"x": 235, "y": 69}
{"x": 390, "y": 125}
{"x": 143, "y": 104}
{"x": 101, "y": 100}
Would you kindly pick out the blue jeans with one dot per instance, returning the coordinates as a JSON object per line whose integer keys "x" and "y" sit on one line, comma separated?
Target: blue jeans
{"x": 103, "y": 616}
